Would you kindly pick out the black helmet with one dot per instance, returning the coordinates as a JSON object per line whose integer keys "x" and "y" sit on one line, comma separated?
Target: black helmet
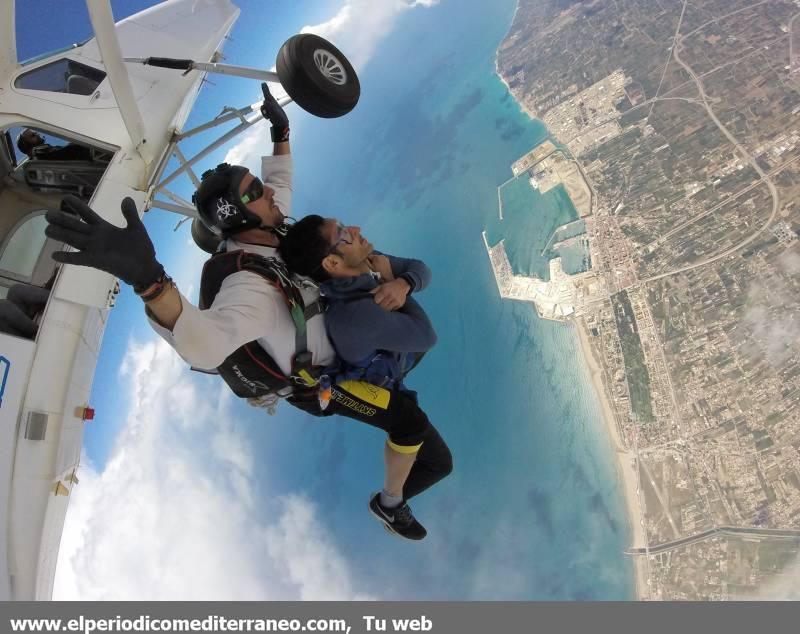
{"x": 219, "y": 204}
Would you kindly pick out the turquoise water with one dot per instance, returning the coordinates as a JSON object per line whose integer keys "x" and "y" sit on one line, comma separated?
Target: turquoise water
{"x": 571, "y": 244}
{"x": 574, "y": 254}
{"x": 533, "y": 509}
{"x": 529, "y": 220}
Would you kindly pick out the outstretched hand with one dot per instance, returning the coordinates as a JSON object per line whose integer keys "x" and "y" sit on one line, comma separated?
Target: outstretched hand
{"x": 125, "y": 252}
{"x": 274, "y": 113}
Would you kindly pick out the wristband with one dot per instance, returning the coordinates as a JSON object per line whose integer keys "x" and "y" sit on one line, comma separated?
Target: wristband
{"x": 280, "y": 134}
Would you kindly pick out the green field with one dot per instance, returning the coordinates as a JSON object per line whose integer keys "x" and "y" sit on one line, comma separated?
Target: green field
{"x": 635, "y": 369}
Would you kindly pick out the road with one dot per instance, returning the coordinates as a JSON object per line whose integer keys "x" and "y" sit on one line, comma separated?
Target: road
{"x": 671, "y": 53}
{"x": 722, "y": 17}
{"x": 726, "y": 531}
{"x": 661, "y": 239}
{"x": 739, "y": 148}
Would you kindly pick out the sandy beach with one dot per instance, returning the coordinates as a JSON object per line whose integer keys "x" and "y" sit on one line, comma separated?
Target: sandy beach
{"x": 626, "y": 459}
{"x": 522, "y": 105}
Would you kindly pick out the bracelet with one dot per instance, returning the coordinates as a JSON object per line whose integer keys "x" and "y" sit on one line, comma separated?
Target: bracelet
{"x": 160, "y": 291}
{"x": 148, "y": 289}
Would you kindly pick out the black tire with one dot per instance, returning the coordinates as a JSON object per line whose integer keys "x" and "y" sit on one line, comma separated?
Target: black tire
{"x": 326, "y": 95}
{"x": 203, "y": 237}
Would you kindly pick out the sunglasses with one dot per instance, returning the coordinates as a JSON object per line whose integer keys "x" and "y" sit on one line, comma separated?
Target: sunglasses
{"x": 343, "y": 236}
{"x": 254, "y": 191}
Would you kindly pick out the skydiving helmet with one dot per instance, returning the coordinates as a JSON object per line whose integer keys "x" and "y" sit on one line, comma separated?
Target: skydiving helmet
{"x": 220, "y": 205}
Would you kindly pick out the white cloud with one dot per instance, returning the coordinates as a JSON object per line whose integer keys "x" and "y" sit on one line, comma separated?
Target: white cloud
{"x": 357, "y": 29}
{"x": 252, "y": 145}
{"x": 168, "y": 518}
{"x": 783, "y": 587}
{"x": 769, "y": 314}
{"x": 360, "y": 25}
{"x": 790, "y": 262}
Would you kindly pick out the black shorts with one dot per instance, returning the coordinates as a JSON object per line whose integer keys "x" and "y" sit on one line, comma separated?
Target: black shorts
{"x": 398, "y": 414}
{"x": 394, "y": 411}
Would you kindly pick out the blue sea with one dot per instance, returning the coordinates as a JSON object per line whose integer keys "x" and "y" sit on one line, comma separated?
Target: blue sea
{"x": 533, "y": 509}
{"x": 529, "y": 223}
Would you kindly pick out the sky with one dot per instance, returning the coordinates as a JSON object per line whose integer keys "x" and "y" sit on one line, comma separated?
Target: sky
{"x": 127, "y": 534}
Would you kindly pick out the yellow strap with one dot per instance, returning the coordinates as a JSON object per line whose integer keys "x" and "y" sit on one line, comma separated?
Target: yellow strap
{"x": 405, "y": 449}
{"x": 310, "y": 381}
{"x": 372, "y": 394}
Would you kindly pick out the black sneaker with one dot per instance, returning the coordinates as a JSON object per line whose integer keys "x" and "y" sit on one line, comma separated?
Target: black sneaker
{"x": 398, "y": 520}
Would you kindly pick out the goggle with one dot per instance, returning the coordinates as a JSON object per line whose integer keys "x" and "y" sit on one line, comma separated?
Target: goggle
{"x": 254, "y": 191}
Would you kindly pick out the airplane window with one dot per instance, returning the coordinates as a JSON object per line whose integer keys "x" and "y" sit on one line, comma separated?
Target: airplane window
{"x": 48, "y": 146}
{"x": 64, "y": 75}
{"x": 22, "y": 249}
{"x": 51, "y": 164}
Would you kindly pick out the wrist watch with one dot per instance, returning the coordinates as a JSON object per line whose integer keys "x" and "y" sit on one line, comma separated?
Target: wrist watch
{"x": 410, "y": 280}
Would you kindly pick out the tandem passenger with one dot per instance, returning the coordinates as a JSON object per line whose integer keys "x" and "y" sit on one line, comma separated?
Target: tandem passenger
{"x": 380, "y": 333}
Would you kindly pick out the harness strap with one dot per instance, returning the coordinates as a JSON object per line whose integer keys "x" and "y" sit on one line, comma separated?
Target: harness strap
{"x": 312, "y": 310}
{"x": 302, "y": 357}
{"x": 249, "y": 363}
{"x": 300, "y": 316}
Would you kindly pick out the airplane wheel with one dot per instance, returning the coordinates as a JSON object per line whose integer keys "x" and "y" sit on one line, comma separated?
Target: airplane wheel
{"x": 317, "y": 76}
{"x": 204, "y": 238}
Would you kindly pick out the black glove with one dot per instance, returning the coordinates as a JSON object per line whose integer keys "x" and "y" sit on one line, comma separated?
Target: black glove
{"x": 272, "y": 111}
{"x": 125, "y": 253}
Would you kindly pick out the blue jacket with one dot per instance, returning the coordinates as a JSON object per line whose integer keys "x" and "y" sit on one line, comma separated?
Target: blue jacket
{"x": 375, "y": 344}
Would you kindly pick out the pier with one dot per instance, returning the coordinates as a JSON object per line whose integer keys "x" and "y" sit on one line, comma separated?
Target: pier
{"x": 556, "y": 299}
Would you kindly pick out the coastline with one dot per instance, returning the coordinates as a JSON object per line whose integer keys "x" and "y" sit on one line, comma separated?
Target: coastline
{"x": 625, "y": 459}
{"x": 523, "y": 107}
{"x": 531, "y": 114}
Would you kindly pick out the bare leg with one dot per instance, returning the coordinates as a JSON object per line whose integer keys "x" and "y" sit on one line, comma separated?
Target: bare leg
{"x": 388, "y": 506}
{"x": 398, "y": 466}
